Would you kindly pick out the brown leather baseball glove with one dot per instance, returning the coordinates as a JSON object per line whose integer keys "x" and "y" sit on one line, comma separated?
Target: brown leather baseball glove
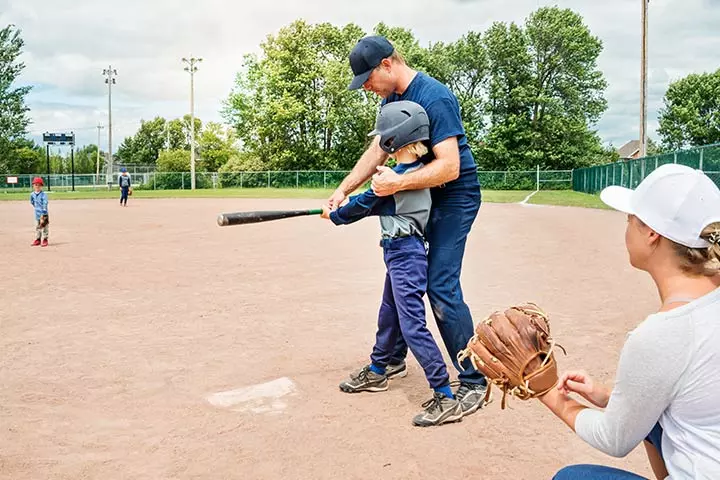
{"x": 513, "y": 349}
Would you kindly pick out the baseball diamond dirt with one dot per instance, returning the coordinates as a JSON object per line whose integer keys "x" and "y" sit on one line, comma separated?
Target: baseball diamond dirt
{"x": 148, "y": 343}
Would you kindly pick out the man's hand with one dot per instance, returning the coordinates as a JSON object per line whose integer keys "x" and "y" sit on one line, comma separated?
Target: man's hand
{"x": 580, "y": 382}
{"x": 325, "y": 212}
{"x": 385, "y": 182}
{"x": 336, "y": 199}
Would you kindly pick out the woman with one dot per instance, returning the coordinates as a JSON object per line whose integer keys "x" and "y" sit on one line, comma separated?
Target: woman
{"x": 667, "y": 387}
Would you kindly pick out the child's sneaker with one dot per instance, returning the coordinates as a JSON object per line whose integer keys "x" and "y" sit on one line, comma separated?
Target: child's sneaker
{"x": 45, "y": 243}
{"x": 36, "y": 243}
{"x": 399, "y": 371}
{"x": 365, "y": 381}
{"x": 438, "y": 410}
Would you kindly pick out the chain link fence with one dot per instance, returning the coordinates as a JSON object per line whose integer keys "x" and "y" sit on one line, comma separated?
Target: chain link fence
{"x": 330, "y": 179}
{"x": 631, "y": 172}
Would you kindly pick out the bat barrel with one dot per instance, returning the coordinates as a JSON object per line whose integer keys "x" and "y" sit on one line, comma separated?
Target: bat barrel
{"x": 242, "y": 218}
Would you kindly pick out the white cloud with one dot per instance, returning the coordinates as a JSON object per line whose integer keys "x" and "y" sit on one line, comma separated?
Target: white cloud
{"x": 67, "y": 47}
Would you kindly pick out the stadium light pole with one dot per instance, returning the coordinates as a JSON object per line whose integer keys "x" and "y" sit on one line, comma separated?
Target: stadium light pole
{"x": 643, "y": 80}
{"x": 110, "y": 75}
{"x": 191, "y": 69}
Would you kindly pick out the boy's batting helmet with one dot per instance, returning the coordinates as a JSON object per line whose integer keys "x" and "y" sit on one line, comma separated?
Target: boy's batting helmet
{"x": 400, "y": 124}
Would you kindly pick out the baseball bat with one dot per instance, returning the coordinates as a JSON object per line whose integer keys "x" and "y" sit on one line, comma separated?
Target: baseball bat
{"x": 243, "y": 218}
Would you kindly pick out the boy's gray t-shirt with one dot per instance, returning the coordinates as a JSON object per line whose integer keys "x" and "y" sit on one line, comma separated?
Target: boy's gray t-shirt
{"x": 402, "y": 214}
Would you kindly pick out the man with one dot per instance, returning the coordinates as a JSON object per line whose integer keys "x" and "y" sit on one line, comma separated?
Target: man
{"x": 450, "y": 172}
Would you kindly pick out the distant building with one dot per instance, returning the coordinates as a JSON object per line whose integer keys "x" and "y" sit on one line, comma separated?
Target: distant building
{"x": 630, "y": 150}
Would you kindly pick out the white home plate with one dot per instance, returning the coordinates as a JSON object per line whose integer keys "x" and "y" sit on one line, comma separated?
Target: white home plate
{"x": 260, "y": 398}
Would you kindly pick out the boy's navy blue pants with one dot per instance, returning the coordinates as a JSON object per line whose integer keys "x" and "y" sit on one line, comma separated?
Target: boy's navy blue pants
{"x": 403, "y": 310}
{"x": 124, "y": 194}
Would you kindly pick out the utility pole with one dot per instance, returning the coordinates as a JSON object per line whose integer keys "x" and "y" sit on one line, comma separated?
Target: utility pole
{"x": 643, "y": 80}
{"x": 110, "y": 75}
{"x": 192, "y": 68}
{"x": 97, "y": 160}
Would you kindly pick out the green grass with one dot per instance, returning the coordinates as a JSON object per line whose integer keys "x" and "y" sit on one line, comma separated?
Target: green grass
{"x": 552, "y": 197}
{"x": 203, "y": 193}
{"x": 503, "y": 196}
{"x": 567, "y": 198}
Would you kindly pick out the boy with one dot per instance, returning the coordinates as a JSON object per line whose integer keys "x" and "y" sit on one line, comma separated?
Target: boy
{"x": 402, "y": 127}
{"x": 125, "y": 186}
{"x": 39, "y": 200}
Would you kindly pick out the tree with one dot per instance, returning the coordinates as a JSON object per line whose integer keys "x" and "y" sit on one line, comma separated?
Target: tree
{"x": 86, "y": 160}
{"x": 22, "y": 156}
{"x": 243, "y": 162}
{"x": 468, "y": 66}
{"x": 507, "y": 108}
{"x": 545, "y": 92}
{"x": 291, "y": 107}
{"x": 13, "y": 111}
{"x": 529, "y": 95}
{"x": 153, "y": 136}
{"x": 174, "y": 161}
{"x": 653, "y": 148}
{"x": 691, "y": 115}
{"x": 178, "y": 133}
{"x": 144, "y": 146}
{"x": 215, "y": 147}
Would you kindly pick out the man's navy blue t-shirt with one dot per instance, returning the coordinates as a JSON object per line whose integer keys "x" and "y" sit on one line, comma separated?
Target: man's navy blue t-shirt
{"x": 443, "y": 111}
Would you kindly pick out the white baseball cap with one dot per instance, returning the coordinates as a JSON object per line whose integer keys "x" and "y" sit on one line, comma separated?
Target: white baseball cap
{"x": 676, "y": 201}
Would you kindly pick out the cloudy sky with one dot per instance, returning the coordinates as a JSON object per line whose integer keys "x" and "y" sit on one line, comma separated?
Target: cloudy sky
{"x": 68, "y": 44}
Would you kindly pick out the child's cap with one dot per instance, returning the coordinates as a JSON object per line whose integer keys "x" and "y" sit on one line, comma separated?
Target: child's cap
{"x": 38, "y": 181}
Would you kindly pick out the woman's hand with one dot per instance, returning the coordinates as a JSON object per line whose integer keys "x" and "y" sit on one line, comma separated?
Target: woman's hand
{"x": 580, "y": 382}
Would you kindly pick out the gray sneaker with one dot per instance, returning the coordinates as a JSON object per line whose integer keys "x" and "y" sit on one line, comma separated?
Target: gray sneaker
{"x": 399, "y": 370}
{"x": 438, "y": 410}
{"x": 471, "y": 397}
{"x": 365, "y": 381}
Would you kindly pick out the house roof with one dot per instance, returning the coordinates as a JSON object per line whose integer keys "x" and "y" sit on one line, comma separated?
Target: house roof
{"x": 629, "y": 149}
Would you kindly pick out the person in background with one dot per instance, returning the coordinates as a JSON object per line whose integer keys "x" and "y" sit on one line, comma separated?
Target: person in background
{"x": 125, "y": 186}
{"x": 39, "y": 201}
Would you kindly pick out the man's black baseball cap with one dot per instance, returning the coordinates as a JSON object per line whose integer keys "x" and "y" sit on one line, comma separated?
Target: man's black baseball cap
{"x": 367, "y": 54}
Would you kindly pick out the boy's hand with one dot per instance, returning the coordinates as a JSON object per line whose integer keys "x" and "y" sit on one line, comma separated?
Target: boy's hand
{"x": 325, "y": 212}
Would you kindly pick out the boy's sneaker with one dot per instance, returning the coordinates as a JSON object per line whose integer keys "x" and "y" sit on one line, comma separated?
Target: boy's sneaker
{"x": 365, "y": 381}
{"x": 399, "y": 370}
{"x": 438, "y": 410}
{"x": 471, "y": 397}
{"x": 44, "y": 243}
{"x": 36, "y": 243}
